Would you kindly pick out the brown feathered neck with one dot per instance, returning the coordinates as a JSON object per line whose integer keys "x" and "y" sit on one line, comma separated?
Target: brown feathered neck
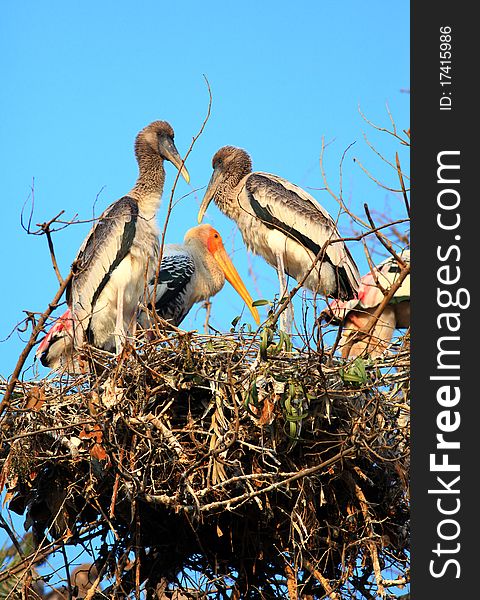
{"x": 151, "y": 177}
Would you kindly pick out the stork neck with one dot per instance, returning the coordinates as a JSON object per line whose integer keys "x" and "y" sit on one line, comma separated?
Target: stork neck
{"x": 210, "y": 278}
{"x": 226, "y": 198}
{"x": 149, "y": 186}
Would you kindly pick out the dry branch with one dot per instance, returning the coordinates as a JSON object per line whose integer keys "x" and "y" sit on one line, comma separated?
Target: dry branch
{"x": 138, "y": 466}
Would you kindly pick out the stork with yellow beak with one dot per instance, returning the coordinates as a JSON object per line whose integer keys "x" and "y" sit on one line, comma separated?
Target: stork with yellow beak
{"x": 194, "y": 272}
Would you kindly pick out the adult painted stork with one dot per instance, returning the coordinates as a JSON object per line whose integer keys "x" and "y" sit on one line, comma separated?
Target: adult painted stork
{"x": 121, "y": 248}
{"x": 189, "y": 273}
{"x": 281, "y": 222}
{"x": 56, "y": 349}
{"x": 355, "y": 314}
{"x": 194, "y": 272}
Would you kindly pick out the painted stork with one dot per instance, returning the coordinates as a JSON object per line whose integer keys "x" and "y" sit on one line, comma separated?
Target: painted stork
{"x": 189, "y": 273}
{"x": 121, "y": 248}
{"x": 355, "y": 314}
{"x": 56, "y": 349}
{"x": 194, "y": 272}
{"x": 281, "y": 222}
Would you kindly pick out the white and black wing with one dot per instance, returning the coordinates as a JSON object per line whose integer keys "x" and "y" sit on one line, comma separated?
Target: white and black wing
{"x": 172, "y": 298}
{"x": 107, "y": 244}
{"x": 284, "y": 206}
{"x": 388, "y": 273}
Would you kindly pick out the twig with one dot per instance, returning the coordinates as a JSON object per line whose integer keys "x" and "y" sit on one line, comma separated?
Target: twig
{"x": 379, "y": 183}
{"x": 323, "y": 580}
{"x": 237, "y": 500}
{"x": 383, "y": 240}
{"x": 37, "y": 555}
{"x": 384, "y": 129}
{"x": 67, "y": 571}
{"x": 402, "y": 184}
{"x": 46, "y": 229}
{"x": 4, "y": 525}
{"x": 170, "y": 202}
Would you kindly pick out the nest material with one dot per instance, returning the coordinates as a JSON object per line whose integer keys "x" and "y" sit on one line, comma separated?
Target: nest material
{"x": 227, "y": 465}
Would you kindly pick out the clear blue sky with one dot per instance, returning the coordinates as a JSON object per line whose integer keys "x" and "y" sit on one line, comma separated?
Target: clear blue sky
{"x": 80, "y": 79}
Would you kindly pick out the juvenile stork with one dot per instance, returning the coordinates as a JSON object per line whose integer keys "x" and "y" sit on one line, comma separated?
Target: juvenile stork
{"x": 121, "y": 248}
{"x": 355, "y": 314}
{"x": 189, "y": 273}
{"x": 283, "y": 224}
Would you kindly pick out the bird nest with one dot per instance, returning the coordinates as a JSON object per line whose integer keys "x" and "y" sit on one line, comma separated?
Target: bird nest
{"x": 227, "y": 466}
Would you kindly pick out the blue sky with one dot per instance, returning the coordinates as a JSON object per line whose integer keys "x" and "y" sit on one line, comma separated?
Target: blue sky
{"x": 80, "y": 79}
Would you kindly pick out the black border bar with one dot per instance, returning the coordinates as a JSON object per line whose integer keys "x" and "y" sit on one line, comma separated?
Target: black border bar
{"x": 445, "y": 274}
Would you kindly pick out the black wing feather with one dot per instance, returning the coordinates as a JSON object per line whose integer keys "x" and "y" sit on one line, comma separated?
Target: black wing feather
{"x": 268, "y": 218}
{"x": 126, "y": 210}
{"x": 176, "y": 272}
{"x": 255, "y": 182}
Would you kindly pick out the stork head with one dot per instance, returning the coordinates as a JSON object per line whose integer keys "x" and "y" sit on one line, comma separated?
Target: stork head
{"x": 230, "y": 165}
{"x": 157, "y": 138}
{"x": 57, "y": 345}
{"x": 211, "y": 244}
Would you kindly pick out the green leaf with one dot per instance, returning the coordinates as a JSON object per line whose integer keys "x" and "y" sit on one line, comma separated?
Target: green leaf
{"x": 252, "y": 398}
{"x": 355, "y": 373}
{"x": 261, "y": 303}
{"x": 265, "y": 340}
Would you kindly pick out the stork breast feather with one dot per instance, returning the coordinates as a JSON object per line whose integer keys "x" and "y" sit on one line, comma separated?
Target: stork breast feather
{"x": 106, "y": 246}
{"x": 282, "y": 205}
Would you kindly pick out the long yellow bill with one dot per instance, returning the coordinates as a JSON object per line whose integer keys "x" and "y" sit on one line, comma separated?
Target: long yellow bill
{"x": 232, "y": 276}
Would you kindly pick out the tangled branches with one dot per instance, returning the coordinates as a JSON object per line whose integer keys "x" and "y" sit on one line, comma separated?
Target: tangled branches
{"x": 228, "y": 465}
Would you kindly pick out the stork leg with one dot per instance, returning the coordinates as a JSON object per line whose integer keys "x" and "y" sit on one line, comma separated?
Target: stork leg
{"x": 78, "y": 332}
{"x": 286, "y": 318}
{"x": 119, "y": 325}
{"x": 377, "y": 341}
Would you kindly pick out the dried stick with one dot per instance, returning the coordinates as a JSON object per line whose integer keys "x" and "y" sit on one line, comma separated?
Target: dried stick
{"x": 384, "y": 129}
{"x": 349, "y": 452}
{"x": 323, "y": 580}
{"x": 291, "y": 578}
{"x": 402, "y": 184}
{"x": 4, "y": 525}
{"x": 67, "y": 571}
{"x": 383, "y": 239}
{"x": 46, "y": 229}
{"x": 113, "y": 501}
{"x": 379, "y": 183}
{"x": 170, "y": 201}
{"x": 169, "y": 437}
{"x": 36, "y": 556}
